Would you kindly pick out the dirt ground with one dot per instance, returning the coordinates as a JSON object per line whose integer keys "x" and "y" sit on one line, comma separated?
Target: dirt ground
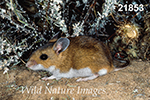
{"x": 132, "y": 83}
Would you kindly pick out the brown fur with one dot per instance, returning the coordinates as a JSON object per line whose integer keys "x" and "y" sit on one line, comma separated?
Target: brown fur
{"x": 82, "y": 52}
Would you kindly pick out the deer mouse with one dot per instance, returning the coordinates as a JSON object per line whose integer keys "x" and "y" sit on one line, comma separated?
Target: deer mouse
{"x": 80, "y": 56}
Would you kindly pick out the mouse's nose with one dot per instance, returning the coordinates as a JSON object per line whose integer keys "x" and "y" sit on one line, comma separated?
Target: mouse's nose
{"x": 31, "y": 63}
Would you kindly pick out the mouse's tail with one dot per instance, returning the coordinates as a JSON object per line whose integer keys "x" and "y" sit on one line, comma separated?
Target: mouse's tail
{"x": 120, "y": 64}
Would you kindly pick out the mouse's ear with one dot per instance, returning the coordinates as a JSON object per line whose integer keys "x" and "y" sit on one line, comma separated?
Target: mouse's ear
{"x": 61, "y": 45}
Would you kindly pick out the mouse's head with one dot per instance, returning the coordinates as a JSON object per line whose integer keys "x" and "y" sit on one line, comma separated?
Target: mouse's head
{"x": 47, "y": 55}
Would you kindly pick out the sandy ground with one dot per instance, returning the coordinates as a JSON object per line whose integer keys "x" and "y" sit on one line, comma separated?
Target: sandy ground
{"x": 132, "y": 83}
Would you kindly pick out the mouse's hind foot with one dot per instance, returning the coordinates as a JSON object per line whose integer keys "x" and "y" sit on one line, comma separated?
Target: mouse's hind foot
{"x": 87, "y": 78}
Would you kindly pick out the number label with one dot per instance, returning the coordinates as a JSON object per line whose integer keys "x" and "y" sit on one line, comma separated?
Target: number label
{"x": 131, "y": 7}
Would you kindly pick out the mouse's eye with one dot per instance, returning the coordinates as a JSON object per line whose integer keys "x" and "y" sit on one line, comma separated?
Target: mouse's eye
{"x": 43, "y": 56}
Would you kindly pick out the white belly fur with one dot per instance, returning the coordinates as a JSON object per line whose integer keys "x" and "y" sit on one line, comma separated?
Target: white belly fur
{"x": 84, "y": 72}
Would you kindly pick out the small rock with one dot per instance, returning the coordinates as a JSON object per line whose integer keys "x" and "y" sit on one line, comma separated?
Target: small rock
{"x": 1, "y": 68}
{"x": 5, "y": 70}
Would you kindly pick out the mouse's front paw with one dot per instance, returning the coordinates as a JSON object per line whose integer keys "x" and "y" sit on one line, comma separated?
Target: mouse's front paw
{"x": 48, "y": 78}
